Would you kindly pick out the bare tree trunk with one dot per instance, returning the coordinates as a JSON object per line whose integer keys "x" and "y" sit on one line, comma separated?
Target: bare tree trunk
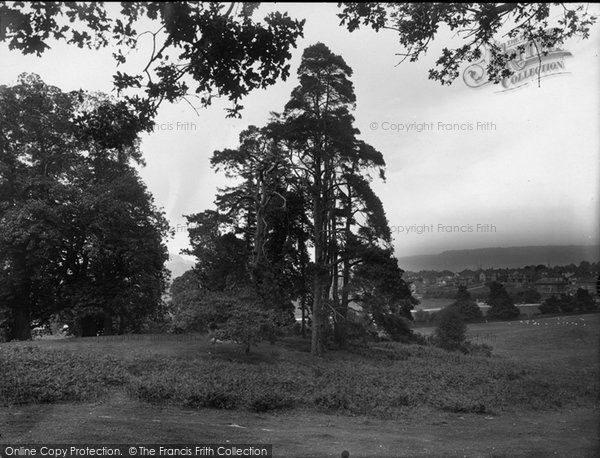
{"x": 342, "y": 311}
{"x": 338, "y": 319}
{"x": 302, "y": 285}
{"x": 320, "y": 271}
{"x": 316, "y": 348}
{"x": 303, "y": 311}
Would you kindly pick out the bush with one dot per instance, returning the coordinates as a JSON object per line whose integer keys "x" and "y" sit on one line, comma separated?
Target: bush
{"x": 466, "y": 305}
{"x": 550, "y": 305}
{"x": 584, "y": 302}
{"x": 501, "y": 305}
{"x": 528, "y": 296}
{"x": 190, "y": 312}
{"x": 236, "y": 314}
{"x": 331, "y": 399}
{"x": 469, "y": 310}
{"x": 475, "y": 349}
{"x": 212, "y": 399}
{"x": 395, "y": 326}
{"x": 359, "y": 327}
{"x": 271, "y": 401}
{"x": 158, "y": 322}
{"x": 450, "y": 330}
{"x": 567, "y": 303}
{"x": 248, "y": 321}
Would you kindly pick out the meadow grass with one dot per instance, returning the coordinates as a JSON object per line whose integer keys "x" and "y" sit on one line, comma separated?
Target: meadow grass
{"x": 383, "y": 380}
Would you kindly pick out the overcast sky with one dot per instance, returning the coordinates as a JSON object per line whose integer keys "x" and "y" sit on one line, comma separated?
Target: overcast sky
{"x": 534, "y": 176}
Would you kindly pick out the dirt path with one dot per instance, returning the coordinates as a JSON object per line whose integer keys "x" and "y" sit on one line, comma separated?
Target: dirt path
{"x": 119, "y": 420}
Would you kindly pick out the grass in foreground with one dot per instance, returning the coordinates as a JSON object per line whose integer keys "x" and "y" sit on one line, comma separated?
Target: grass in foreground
{"x": 385, "y": 380}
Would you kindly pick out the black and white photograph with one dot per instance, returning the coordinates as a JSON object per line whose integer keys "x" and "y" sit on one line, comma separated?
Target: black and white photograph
{"x": 299, "y": 229}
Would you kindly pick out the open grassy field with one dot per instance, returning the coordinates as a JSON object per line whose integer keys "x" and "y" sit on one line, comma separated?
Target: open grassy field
{"x": 537, "y": 396}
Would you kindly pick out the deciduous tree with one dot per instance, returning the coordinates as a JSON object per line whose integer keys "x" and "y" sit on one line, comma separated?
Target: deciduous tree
{"x": 479, "y": 27}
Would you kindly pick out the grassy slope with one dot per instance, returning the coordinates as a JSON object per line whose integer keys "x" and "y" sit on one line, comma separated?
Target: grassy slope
{"x": 554, "y": 349}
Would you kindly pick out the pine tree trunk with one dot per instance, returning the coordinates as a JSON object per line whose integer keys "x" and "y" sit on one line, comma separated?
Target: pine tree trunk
{"x": 318, "y": 281}
{"x": 316, "y": 348}
{"x": 303, "y": 311}
{"x": 302, "y": 286}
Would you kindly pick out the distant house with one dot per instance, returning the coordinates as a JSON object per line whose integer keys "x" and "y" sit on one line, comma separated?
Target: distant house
{"x": 548, "y": 286}
{"x": 444, "y": 280}
{"x": 464, "y": 280}
{"x": 499, "y": 276}
{"x": 518, "y": 279}
{"x": 589, "y": 284}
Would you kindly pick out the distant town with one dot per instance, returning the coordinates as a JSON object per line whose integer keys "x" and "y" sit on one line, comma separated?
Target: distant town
{"x": 521, "y": 283}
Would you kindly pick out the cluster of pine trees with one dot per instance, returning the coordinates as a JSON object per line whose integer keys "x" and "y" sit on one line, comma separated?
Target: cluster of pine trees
{"x": 302, "y": 222}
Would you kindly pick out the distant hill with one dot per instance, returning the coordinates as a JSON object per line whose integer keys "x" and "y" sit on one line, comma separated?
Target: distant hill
{"x": 178, "y": 265}
{"x": 511, "y": 257}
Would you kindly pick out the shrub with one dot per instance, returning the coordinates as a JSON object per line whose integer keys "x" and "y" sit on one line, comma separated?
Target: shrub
{"x": 419, "y": 339}
{"x": 331, "y": 399}
{"x": 249, "y": 322}
{"x": 213, "y": 399}
{"x": 158, "y": 322}
{"x": 154, "y": 394}
{"x": 567, "y": 303}
{"x": 475, "y": 349}
{"x": 189, "y": 312}
{"x": 271, "y": 401}
{"x": 550, "y": 305}
{"x": 395, "y": 326}
{"x": 237, "y": 314}
{"x": 501, "y": 305}
{"x": 468, "y": 309}
{"x": 466, "y": 305}
{"x": 450, "y": 330}
{"x": 528, "y": 296}
{"x": 584, "y": 302}
{"x": 359, "y": 327}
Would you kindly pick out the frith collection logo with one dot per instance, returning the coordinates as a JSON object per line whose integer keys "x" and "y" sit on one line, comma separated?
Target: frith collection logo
{"x": 531, "y": 64}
